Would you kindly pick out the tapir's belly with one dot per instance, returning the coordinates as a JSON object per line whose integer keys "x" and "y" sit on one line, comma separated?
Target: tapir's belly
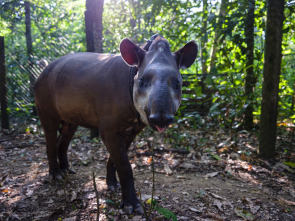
{"x": 77, "y": 111}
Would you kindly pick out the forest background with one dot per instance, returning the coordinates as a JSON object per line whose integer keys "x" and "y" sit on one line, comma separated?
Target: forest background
{"x": 213, "y": 145}
{"x": 224, "y": 86}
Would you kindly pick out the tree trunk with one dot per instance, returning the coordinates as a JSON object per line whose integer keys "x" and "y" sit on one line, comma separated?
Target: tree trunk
{"x": 98, "y": 27}
{"x": 271, "y": 75}
{"x": 222, "y": 13}
{"x": 3, "y": 87}
{"x": 204, "y": 39}
{"x": 29, "y": 46}
{"x": 250, "y": 79}
{"x": 94, "y": 34}
{"x": 206, "y": 104}
{"x": 93, "y": 25}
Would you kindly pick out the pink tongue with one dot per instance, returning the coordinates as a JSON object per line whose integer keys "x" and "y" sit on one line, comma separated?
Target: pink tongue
{"x": 160, "y": 129}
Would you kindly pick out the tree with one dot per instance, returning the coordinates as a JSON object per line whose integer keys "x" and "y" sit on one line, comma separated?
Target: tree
{"x": 250, "y": 78}
{"x": 93, "y": 25}
{"x": 216, "y": 41}
{"x": 271, "y": 75}
{"x": 29, "y": 46}
{"x": 94, "y": 28}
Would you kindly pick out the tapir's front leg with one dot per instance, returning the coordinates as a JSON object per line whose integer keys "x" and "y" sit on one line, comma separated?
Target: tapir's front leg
{"x": 116, "y": 145}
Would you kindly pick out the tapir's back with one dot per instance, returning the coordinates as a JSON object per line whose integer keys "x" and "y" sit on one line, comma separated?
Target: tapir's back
{"x": 80, "y": 88}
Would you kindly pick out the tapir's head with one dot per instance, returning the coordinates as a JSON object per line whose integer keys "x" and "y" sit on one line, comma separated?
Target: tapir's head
{"x": 158, "y": 82}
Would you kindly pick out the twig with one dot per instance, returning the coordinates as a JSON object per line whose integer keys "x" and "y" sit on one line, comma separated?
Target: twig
{"x": 97, "y": 196}
{"x": 153, "y": 185}
{"x": 142, "y": 204}
{"x": 172, "y": 150}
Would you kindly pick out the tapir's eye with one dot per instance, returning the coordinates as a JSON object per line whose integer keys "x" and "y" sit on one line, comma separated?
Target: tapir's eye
{"x": 141, "y": 82}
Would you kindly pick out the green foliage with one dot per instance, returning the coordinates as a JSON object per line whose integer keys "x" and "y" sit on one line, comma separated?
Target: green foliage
{"x": 290, "y": 164}
{"x": 166, "y": 213}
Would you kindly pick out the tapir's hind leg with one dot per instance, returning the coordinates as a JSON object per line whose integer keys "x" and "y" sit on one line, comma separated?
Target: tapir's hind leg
{"x": 51, "y": 125}
{"x": 67, "y": 132}
{"x": 112, "y": 181}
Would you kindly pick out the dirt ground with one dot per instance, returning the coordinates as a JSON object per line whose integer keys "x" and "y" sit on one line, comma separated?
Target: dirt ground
{"x": 217, "y": 177}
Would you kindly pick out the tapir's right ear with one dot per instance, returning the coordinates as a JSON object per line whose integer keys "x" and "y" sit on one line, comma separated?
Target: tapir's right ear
{"x": 132, "y": 54}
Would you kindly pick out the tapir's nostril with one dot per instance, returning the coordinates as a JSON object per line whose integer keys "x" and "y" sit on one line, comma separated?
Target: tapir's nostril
{"x": 161, "y": 120}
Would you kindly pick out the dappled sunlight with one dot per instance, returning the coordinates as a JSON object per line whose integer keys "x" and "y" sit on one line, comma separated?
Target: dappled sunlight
{"x": 223, "y": 175}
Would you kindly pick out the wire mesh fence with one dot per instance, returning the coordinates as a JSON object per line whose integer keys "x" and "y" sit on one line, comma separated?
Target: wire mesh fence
{"x": 21, "y": 74}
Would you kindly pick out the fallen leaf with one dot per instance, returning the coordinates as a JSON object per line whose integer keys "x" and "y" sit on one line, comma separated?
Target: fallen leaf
{"x": 145, "y": 197}
{"x": 194, "y": 210}
{"x": 29, "y": 193}
{"x": 167, "y": 169}
{"x": 149, "y": 160}
{"x": 74, "y": 195}
{"x": 244, "y": 214}
{"x": 60, "y": 192}
{"x": 290, "y": 164}
{"x": 209, "y": 175}
{"x": 216, "y": 196}
{"x": 216, "y": 157}
{"x": 254, "y": 209}
{"x": 187, "y": 166}
{"x": 218, "y": 204}
{"x": 70, "y": 219}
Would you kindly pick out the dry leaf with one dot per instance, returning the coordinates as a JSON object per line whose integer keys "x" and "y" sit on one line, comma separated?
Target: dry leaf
{"x": 208, "y": 175}
{"x": 167, "y": 169}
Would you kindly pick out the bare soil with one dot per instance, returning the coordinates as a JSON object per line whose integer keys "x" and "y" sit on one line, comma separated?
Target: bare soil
{"x": 216, "y": 177}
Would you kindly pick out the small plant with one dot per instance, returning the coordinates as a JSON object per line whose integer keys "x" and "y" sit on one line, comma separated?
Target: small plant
{"x": 152, "y": 202}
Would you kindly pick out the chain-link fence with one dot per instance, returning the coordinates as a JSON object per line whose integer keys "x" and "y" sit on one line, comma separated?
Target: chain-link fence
{"x": 21, "y": 74}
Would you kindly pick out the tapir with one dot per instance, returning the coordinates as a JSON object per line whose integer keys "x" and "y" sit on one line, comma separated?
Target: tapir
{"x": 99, "y": 91}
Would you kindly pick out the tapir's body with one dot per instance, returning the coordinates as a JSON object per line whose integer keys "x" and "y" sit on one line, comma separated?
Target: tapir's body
{"x": 96, "y": 91}
{"x": 91, "y": 92}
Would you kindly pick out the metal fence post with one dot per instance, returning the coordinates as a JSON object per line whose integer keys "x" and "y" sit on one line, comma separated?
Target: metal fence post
{"x": 3, "y": 87}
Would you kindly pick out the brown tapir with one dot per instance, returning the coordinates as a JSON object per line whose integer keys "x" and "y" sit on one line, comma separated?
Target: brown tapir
{"x": 96, "y": 91}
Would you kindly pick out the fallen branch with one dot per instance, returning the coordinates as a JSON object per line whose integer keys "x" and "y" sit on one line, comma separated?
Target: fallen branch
{"x": 97, "y": 196}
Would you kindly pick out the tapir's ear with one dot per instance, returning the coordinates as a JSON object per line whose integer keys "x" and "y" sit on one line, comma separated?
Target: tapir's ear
{"x": 132, "y": 54}
{"x": 186, "y": 55}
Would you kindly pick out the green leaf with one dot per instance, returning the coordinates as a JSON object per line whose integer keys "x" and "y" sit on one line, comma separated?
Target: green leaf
{"x": 166, "y": 213}
{"x": 290, "y": 164}
{"x": 244, "y": 214}
{"x": 214, "y": 107}
{"x": 110, "y": 202}
{"x": 216, "y": 157}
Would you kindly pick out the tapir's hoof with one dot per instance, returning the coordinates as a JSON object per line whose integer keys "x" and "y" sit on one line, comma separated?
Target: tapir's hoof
{"x": 56, "y": 176}
{"x": 67, "y": 171}
{"x": 138, "y": 209}
{"x": 60, "y": 174}
{"x": 114, "y": 187}
{"x": 129, "y": 209}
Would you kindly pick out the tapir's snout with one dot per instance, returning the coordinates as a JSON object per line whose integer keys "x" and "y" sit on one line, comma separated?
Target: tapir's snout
{"x": 160, "y": 122}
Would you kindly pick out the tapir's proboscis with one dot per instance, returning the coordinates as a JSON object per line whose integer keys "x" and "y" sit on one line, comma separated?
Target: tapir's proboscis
{"x": 96, "y": 91}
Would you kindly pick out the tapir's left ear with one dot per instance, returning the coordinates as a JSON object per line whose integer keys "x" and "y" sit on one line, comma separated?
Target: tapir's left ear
{"x": 186, "y": 55}
{"x": 132, "y": 54}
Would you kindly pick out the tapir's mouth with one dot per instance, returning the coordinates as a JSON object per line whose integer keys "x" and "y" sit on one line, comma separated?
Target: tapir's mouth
{"x": 161, "y": 129}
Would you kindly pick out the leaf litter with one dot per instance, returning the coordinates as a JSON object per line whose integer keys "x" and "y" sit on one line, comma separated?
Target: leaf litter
{"x": 219, "y": 177}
